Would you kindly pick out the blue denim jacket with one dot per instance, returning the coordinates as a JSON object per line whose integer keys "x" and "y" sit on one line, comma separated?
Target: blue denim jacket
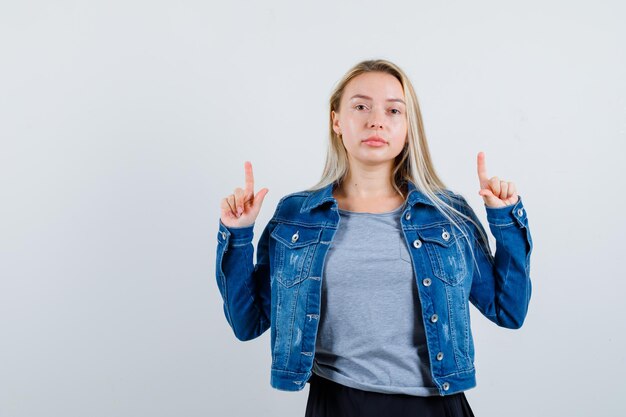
{"x": 283, "y": 290}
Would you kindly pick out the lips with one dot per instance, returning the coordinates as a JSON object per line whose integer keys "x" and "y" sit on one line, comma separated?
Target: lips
{"x": 375, "y": 139}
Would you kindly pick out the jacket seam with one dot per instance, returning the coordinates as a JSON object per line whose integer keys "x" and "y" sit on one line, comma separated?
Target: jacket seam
{"x": 506, "y": 276}
{"x": 250, "y": 294}
{"x": 225, "y": 285}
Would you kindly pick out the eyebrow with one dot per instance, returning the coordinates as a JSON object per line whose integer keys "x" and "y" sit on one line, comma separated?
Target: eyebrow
{"x": 369, "y": 98}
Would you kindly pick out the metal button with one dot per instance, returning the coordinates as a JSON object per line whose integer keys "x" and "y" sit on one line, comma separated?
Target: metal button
{"x": 434, "y": 318}
{"x": 295, "y": 237}
{"x": 426, "y": 282}
{"x": 223, "y": 235}
{"x": 439, "y": 356}
{"x": 407, "y": 215}
{"x": 417, "y": 243}
{"x": 445, "y": 235}
{"x": 446, "y": 386}
{"x": 520, "y": 212}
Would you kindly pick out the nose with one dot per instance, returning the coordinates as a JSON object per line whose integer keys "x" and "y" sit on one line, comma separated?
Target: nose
{"x": 375, "y": 120}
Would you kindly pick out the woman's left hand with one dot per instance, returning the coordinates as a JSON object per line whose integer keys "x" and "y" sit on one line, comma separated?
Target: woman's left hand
{"x": 495, "y": 193}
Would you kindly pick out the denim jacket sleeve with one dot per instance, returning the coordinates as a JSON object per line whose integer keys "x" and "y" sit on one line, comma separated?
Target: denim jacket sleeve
{"x": 244, "y": 286}
{"x": 501, "y": 286}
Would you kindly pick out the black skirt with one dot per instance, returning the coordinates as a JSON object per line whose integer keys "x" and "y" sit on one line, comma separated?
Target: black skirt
{"x": 330, "y": 399}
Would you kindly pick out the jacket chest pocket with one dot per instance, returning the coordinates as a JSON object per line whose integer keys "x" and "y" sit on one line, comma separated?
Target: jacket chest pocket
{"x": 445, "y": 248}
{"x": 295, "y": 247}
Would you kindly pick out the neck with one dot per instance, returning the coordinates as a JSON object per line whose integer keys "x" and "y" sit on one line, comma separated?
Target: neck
{"x": 368, "y": 184}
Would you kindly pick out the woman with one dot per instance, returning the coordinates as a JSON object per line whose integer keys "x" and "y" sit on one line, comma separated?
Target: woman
{"x": 365, "y": 278}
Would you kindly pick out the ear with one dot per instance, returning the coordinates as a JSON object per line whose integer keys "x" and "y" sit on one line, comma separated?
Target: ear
{"x": 335, "y": 117}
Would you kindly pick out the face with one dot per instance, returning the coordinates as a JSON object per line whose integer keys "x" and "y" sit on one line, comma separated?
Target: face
{"x": 372, "y": 107}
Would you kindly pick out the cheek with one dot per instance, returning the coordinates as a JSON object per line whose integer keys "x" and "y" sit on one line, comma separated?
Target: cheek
{"x": 400, "y": 122}
{"x": 400, "y": 128}
{"x": 355, "y": 121}
{"x": 399, "y": 145}
{"x": 402, "y": 133}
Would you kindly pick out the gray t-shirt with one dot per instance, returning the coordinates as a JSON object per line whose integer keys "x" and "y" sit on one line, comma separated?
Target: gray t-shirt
{"x": 371, "y": 334}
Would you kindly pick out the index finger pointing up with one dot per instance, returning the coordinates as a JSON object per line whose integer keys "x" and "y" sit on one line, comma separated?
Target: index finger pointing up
{"x": 482, "y": 170}
{"x": 249, "y": 178}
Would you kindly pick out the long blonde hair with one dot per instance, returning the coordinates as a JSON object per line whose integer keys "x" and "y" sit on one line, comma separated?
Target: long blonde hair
{"x": 412, "y": 164}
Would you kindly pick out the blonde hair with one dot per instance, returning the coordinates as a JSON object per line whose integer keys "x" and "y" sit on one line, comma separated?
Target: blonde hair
{"x": 412, "y": 164}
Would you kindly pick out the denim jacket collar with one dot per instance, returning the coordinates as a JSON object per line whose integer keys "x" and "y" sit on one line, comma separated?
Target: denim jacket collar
{"x": 319, "y": 197}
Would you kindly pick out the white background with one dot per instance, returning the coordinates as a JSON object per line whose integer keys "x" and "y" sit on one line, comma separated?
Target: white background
{"x": 124, "y": 123}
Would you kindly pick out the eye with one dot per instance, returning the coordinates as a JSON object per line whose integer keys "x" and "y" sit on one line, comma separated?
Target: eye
{"x": 358, "y": 105}
{"x": 398, "y": 111}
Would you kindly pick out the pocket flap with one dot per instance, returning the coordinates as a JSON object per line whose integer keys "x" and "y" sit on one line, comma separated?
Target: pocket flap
{"x": 440, "y": 234}
{"x": 295, "y": 236}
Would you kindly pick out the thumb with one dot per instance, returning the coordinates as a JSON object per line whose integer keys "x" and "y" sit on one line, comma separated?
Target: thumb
{"x": 260, "y": 196}
{"x": 489, "y": 198}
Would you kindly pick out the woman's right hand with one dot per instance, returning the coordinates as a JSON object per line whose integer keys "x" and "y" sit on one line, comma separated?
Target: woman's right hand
{"x": 241, "y": 208}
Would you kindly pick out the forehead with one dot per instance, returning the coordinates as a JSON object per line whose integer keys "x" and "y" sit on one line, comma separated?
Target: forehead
{"x": 378, "y": 85}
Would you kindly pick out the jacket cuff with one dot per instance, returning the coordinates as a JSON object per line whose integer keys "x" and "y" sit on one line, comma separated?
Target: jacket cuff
{"x": 238, "y": 235}
{"x": 508, "y": 215}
